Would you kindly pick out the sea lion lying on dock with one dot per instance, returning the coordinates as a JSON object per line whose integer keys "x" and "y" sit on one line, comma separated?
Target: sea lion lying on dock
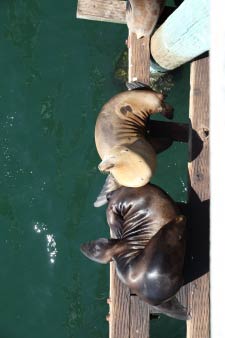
{"x": 148, "y": 246}
{"x": 142, "y": 16}
{"x": 120, "y": 135}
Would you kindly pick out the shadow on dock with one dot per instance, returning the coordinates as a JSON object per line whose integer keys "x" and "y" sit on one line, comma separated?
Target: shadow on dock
{"x": 197, "y": 250}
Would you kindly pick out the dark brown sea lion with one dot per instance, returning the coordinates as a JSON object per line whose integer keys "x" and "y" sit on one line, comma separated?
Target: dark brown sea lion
{"x": 148, "y": 245}
{"x": 142, "y": 16}
{"x": 120, "y": 135}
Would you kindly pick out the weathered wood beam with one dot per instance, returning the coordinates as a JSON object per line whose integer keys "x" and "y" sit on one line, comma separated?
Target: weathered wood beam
{"x": 197, "y": 291}
{"x": 129, "y": 316}
{"x": 101, "y": 10}
{"x": 119, "y": 307}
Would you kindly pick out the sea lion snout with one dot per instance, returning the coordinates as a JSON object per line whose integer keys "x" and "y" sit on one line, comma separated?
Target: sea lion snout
{"x": 107, "y": 164}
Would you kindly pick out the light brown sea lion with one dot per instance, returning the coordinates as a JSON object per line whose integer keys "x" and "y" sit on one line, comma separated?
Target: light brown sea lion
{"x": 142, "y": 16}
{"x": 120, "y": 135}
{"x": 148, "y": 245}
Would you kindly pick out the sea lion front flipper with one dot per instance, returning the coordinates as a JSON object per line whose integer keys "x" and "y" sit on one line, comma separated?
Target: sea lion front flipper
{"x": 102, "y": 250}
{"x": 137, "y": 85}
{"x": 172, "y": 308}
{"x": 109, "y": 186}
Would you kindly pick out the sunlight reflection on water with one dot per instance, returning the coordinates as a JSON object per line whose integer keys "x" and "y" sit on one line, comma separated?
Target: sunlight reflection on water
{"x": 50, "y": 240}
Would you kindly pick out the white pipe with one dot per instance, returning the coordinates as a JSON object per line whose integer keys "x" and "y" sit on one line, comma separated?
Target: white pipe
{"x": 183, "y": 36}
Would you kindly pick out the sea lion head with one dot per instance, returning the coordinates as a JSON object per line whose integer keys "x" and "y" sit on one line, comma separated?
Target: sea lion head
{"x": 132, "y": 165}
{"x": 102, "y": 250}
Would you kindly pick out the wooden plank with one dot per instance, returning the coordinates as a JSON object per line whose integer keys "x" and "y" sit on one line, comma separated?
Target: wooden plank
{"x": 198, "y": 302}
{"x": 139, "y": 59}
{"x": 198, "y": 295}
{"x": 139, "y": 318}
{"x": 197, "y": 292}
{"x": 119, "y": 307}
{"x": 101, "y": 10}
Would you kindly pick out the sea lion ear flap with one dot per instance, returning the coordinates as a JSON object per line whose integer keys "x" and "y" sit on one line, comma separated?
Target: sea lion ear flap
{"x": 106, "y": 164}
{"x": 100, "y": 251}
{"x": 172, "y": 308}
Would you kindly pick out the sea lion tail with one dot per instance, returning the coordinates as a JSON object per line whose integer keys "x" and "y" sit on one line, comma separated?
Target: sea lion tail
{"x": 109, "y": 186}
{"x": 172, "y": 308}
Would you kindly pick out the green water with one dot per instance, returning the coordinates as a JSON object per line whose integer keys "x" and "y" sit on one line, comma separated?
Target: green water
{"x": 56, "y": 73}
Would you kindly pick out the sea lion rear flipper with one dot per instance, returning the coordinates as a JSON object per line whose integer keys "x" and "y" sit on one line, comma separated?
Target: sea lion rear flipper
{"x": 172, "y": 308}
{"x": 109, "y": 186}
{"x": 137, "y": 85}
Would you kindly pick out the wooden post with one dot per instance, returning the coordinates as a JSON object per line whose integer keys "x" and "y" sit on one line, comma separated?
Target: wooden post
{"x": 196, "y": 294}
{"x": 183, "y": 36}
{"x": 139, "y": 59}
{"x": 101, "y": 10}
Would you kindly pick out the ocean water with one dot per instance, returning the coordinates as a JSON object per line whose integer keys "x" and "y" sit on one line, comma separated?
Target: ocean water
{"x": 56, "y": 73}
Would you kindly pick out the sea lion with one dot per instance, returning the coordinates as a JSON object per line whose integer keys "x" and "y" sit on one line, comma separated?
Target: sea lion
{"x": 120, "y": 135}
{"x": 142, "y": 16}
{"x": 148, "y": 245}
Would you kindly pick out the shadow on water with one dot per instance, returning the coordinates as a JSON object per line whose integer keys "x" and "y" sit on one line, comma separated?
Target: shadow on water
{"x": 170, "y": 132}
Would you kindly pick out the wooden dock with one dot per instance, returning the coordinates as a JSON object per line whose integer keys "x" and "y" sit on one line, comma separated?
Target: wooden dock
{"x": 129, "y": 317}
